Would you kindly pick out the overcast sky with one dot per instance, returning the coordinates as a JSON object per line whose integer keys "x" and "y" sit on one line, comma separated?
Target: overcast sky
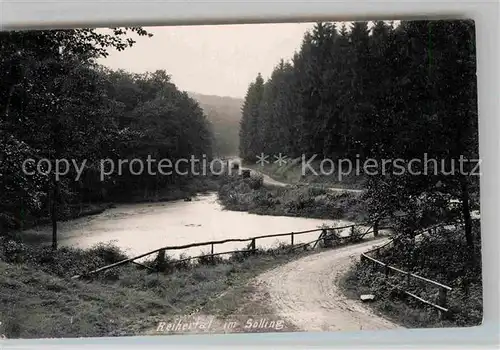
{"x": 214, "y": 60}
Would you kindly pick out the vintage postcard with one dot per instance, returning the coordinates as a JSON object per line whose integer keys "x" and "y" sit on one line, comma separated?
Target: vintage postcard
{"x": 239, "y": 178}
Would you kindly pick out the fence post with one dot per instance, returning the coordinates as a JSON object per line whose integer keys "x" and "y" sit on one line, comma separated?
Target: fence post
{"x": 386, "y": 270}
{"x": 442, "y": 297}
{"x": 442, "y": 302}
{"x": 212, "y": 252}
{"x": 408, "y": 279}
{"x": 375, "y": 228}
{"x": 160, "y": 260}
{"x": 252, "y": 246}
{"x": 319, "y": 238}
{"x": 291, "y": 239}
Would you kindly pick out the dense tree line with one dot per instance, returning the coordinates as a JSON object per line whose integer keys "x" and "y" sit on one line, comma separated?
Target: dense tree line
{"x": 56, "y": 102}
{"x": 381, "y": 91}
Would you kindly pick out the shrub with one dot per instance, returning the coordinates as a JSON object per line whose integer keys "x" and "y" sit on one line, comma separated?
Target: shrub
{"x": 441, "y": 257}
{"x": 355, "y": 235}
{"x": 333, "y": 238}
{"x": 65, "y": 261}
{"x": 108, "y": 252}
{"x": 183, "y": 265}
{"x": 209, "y": 260}
{"x": 255, "y": 182}
{"x": 241, "y": 255}
{"x": 316, "y": 191}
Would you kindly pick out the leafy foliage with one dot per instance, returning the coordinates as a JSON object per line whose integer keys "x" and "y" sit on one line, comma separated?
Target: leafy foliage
{"x": 57, "y": 103}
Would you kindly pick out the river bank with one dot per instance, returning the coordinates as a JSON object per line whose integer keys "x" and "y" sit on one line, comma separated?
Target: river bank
{"x": 135, "y": 300}
{"x": 125, "y": 301}
{"x": 235, "y": 197}
{"x": 251, "y": 195}
{"x": 138, "y": 228}
{"x": 130, "y": 300}
{"x": 36, "y": 230}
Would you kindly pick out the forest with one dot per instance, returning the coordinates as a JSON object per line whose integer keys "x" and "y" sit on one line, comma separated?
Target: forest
{"x": 371, "y": 91}
{"x": 379, "y": 91}
{"x": 56, "y": 102}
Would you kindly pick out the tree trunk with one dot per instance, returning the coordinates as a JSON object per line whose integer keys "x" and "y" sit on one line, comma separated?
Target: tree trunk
{"x": 9, "y": 98}
{"x": 466, "y": 216}
{"x": 55, "y": 197}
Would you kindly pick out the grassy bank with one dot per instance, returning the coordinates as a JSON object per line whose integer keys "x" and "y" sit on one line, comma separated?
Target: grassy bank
{"x": 298, "y": 201}
{"x": 293, "y": 173}
{"x": 38, "y": 298}
{"x": 440, "y": 258}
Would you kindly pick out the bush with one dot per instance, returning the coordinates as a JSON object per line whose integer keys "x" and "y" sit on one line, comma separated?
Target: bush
{"x": 255, "y": 181}
{"x": 209, "y": 260}
{"x": 108, "y": 252}
{"x": 316, "y": 191}
{"x": 442, "y": 258}
{"x": 314, "y": 202}
{"x": 11, "y": 324}
{"x": 355, "y": 235}
{"x": 241, "y": 255}
{"x": 184, "y": 265}
{"x": 65, "y": 261}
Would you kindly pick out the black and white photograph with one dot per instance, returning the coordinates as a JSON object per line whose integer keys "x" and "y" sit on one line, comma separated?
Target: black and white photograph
{"x": 239, "y": 178}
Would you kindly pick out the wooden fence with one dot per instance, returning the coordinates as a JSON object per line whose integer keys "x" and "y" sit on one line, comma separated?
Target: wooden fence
{"x": 327, "y": 234}
{"x": 441, "y": 303}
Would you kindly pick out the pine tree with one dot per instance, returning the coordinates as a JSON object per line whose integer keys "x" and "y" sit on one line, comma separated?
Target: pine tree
{"x": 251, "y": 130}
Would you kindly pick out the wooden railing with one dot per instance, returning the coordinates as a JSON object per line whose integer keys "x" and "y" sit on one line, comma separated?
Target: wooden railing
{"x": 443, "y": 290}
{"x": 326, "y": 234}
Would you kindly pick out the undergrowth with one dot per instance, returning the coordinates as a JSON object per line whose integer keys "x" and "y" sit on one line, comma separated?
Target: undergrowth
{"x": 38, "y": 298}
{"x": 441, "y": 257}
{"x": 298, "y": 201}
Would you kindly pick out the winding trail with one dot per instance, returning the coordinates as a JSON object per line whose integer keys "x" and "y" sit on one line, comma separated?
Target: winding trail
{"x": 268, "y": 180}
{"x": 305, "y": 292}
{"x": 272, "y": 182}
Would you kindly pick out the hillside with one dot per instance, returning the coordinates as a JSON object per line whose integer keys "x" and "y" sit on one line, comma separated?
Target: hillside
{"x": 225, "y": 114}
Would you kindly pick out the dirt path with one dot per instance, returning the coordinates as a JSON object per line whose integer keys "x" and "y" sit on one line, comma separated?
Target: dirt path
{"x": 302, "y": 295}
{"x": 305, "y": 293}
{"x": 270, "y": 181}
